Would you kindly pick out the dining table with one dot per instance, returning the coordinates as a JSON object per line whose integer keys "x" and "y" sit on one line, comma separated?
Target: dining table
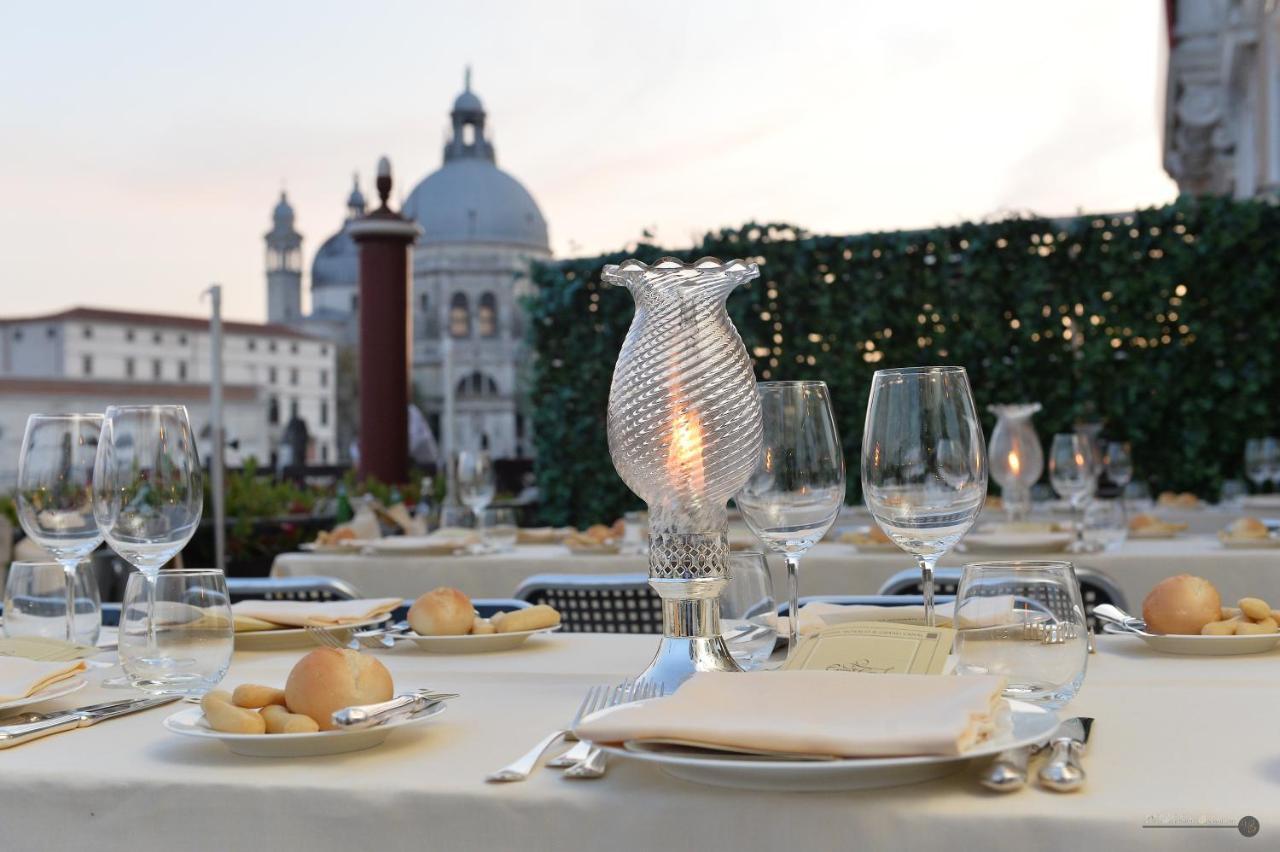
{"x": 1183, "y": 755}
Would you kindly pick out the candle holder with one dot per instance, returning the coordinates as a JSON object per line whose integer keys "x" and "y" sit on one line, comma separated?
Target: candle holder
{"x": 1017, "y": 459}
{"x": 685, "y": 435}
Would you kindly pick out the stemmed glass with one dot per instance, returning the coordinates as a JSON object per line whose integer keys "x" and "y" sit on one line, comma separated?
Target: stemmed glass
{"x": 148, "y": 489}
{"x": 1118, "y": 463}
{"x": 1073, "y": 472}
{"x": 797, "y": 488}
{"x": 924, "y": 462}
{"x": 1271, "y": 460}
{"x": 55, "y": 492}
{"x": 476, "y": 484}
{"x": 1255, "y": 463}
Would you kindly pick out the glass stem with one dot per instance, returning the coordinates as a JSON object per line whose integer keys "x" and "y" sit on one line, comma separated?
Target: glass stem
{"x": 926, "y": 587}
{"x": 69, "y": 569}
{"x": 151, "y": 614}
{"x": 793, "y": 607}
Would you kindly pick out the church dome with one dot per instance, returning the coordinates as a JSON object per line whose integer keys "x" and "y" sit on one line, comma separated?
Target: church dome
{"x": 469, "y": 199}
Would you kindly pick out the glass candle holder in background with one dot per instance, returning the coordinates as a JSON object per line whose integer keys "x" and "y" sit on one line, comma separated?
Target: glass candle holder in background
{"x": 748, "y": 610}
{"x": 499, "y": 532}
{"x": 35, "y": 602}
{"x": 1026, "y": 622}
{"x": 193, "y": 631}
{"x": 1105, "y": 525}
{"x": 1015, "y": 456}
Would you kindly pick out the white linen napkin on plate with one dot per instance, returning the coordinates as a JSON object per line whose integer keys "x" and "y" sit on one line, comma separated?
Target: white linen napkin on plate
{"x": 842, "y": 714}
{"x": 307, "y": 613}
{"x": 22, "y": 678}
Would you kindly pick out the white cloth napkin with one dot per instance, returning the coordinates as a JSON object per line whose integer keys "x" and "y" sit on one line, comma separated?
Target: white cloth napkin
{"x": 304, "y": 613}
{"x": 843, "y": 714}
{"x": 22, "y": 678}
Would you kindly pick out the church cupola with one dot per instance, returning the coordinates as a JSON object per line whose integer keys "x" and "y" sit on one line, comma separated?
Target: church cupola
{"x": 468, "y": 140}
{"x": 284, "y": 265}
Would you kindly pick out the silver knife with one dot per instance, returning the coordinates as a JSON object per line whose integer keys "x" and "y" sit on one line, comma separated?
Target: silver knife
{"x": 81, "y": 717}
{"x": 1063, "y": 773}
{"x": 1008, "y": 772}
{"x": 369, "y": 715}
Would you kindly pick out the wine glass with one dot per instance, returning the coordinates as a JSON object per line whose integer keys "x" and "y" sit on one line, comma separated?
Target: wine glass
{"x": 475, "y": 483}
{"x": 1256, "y": 467}
{"x": 1073, "y": 474}
{"x": 55, "y": 492}
{"x": 1271, "y": 460}
{"x": 924, "y": 462}
{"x": 1118, "y": 463}
{"x": 797, "y": 488}
{"x": 148, "y": 489}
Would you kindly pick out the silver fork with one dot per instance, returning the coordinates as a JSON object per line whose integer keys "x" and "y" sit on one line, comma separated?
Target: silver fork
{"x": 582, "y": 750}
{"x": 523, "y": 766}
{"x": 596, "y": 761}
{"x": 330, "y": 637}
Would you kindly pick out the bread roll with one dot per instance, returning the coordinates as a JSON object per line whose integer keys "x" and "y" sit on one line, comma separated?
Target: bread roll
{"x": 1226, "y": 627}
{"x": 533, "y": 618}
{"x": 329, "y": 679}
{"x": 224, "y": 716}
{"x": 1248, "y": 528}
{"x": 1255, "y": 609}
{"x": 1183, "y": 604}
{"x": 255, "y": 695}
{"x": 280, "y": 721}
{"x": 442, "y": 612}
{"x": 1249, "y": 628}
{"x": 482, "y": 627}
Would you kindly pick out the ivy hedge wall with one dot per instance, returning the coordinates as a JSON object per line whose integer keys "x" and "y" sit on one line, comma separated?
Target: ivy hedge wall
{"x": 1164, "y": 323}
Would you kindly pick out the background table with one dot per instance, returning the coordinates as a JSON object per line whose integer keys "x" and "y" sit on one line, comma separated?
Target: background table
{"x": 828, "y": 569}
{"x": 1176, "y": 738}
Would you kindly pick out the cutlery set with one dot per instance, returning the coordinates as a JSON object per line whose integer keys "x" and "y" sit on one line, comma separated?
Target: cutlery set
{"x": 1062, "y": 773}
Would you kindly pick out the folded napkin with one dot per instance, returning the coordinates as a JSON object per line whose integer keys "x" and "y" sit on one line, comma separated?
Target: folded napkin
{"x": 251, "y": 615}
{"x": 839, "y": 714}
{"x": 22, "y": 678}
{"x": 45, "y": 649}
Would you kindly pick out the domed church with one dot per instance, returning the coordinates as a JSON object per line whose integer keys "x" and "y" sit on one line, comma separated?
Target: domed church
{"x": 481, "y": 230}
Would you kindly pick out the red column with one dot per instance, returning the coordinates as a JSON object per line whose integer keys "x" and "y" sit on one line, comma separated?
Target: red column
{"x": 384, "y": 238}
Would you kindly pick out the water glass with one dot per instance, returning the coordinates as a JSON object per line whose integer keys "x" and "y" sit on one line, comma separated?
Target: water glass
{"x": 1233, "y": 493}
{"x": 35, "y": 602}
{"x": 456, "y": 518}
{"x": 1138, "y": 496}
{"x": 1105, "y": 525}
{"x": 748, "y": 610}
{"x": 499, "y": 531}
{"x": 1025, "y": 621}
{"x": 192, "y": 627}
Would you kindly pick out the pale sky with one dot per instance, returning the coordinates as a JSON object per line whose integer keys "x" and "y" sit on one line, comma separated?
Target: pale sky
{"x": 143, "y": 144}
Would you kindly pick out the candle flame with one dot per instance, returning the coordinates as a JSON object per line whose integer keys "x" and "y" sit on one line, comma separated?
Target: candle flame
{"x": 1015, "y": 464}
{"x": 684, "y": 457}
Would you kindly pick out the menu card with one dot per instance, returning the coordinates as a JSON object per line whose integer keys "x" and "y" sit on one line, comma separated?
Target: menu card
{"x": 876, "y": 647}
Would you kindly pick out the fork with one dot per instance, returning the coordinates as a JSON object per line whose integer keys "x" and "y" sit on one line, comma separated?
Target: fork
{"x": 329, "y": 637}
{"x": 582, "y": 750}
{"x": 593, "y": 765}
{"x": 597, "y": 698}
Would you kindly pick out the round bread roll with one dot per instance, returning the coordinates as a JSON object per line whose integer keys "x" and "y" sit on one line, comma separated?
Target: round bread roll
{"x": 442, "y": 612}
{"x": 1248, "y": 528}
{"x": 329, "y": 679}
{"x": 1182, "y": 604}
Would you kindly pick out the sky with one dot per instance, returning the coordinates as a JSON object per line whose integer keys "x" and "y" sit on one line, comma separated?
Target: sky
{"x": 143, "y": 145}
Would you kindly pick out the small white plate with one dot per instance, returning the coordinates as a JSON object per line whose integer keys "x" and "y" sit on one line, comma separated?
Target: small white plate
{"x": 406, "y": 545}
{"x": 288, "y": 638}
{"x": 1027, "y": 724}
{"x": 50, "y": 692}
{"x": 478, "y": 644}
{"x": 1203, "y": 646}
{"x": 1017, "y": 542}
{"x": 191, "y": 723}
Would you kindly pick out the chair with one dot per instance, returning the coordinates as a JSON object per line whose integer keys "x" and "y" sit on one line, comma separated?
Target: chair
{"x": 1095, "y": 587}
{"x": 290, "y": 589}
{"x": 597, "y": 603}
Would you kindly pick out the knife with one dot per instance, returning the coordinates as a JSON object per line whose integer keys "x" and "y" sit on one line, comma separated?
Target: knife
{"x": 369, "y": 715}
{"x": 81, "y": 717}
{"x": 1063, "y": 773}
{"x": 1008, "y": 772}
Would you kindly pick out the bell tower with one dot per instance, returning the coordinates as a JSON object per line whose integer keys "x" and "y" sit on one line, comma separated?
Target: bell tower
{"x": 468, "y": 140}
{"x": 284, "y": 266}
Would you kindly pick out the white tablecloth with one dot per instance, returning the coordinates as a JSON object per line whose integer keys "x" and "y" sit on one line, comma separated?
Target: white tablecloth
{"x": 1186, "y": 739}
{"x": 829, "y": 569}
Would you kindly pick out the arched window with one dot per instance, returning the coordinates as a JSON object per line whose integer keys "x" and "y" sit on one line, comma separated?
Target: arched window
{"x": 459, "y": 316}
{"x": 487, "y": 316}
{"x": 477, "y": 385}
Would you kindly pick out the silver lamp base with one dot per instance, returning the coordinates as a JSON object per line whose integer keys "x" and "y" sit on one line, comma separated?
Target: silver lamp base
{"x": 691, "y": 640}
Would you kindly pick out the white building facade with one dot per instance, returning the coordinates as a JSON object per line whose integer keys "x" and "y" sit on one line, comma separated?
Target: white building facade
{"x": 271, "y": 373}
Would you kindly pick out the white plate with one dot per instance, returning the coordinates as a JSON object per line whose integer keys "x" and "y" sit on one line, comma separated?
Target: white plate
{"x": 1028, "y": 724}
{"x": 350, "y": 545}
{"x": 1261, "y": 501}
{"x": 1017, "y": 542}
{"x": 50, "y": 692}
{"x": 478, "y": 644}
{"x": 191, "y": 723}
{"x": 1249, "y": 543}
{"x": 292, "y": 637}
{"x": 406, "y": 545}
{"x": 1156, "y": 535}
{"x": 1205, "y": 646}
{"x": 594, "y": 550}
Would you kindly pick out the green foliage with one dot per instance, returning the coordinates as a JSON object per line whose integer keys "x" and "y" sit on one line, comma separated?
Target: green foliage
{"x": 1182, "y": 358}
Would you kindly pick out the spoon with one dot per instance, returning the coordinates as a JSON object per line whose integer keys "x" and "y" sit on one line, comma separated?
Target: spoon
{"x": 1115, "y": 616}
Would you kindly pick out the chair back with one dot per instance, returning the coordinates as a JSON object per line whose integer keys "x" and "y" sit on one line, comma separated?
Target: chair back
{"x": 290, "y": 589}
{"x": 1096, "y": 588}
{"x": 597, "y": 603}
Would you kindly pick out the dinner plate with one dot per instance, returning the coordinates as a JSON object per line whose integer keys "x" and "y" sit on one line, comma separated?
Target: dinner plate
{"x": 476, "y": 644}
{"x": 1026, "y": 724}
{"x": 191, "y": 723}
{"x": 1202, "y": 646}
{"x": 350, "y": 545}
{"x": 1261, "y": 501}
{"x": 407, "y": 545}
{"x": 50, "y": 692}
{"x": 1249, "y": 543}
{"x": 1156, "y": 535}
{"x": 1017, "y": 542}
{"x": 293, "y": 637}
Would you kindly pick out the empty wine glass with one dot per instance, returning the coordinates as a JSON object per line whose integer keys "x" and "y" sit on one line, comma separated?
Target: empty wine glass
{"x": 1118, "y": 463}
{"x": 1073, "y": 474}
{"x": 475, "y": 482}
{"x": 55, "y": 493}
{"x": 924, "y": 462}
{"x": 797, "y": 488}
{"x": 1255, "y": 462}
{"x": 1271, "y": 459}
{"x": 148, "y": 486}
